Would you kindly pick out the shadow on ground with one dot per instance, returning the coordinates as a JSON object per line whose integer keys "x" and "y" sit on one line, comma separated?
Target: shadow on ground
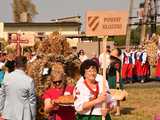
{"x": 127, "y": 110}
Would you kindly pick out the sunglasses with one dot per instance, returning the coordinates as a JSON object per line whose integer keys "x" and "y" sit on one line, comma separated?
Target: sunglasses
{"x": 57, "y": 82}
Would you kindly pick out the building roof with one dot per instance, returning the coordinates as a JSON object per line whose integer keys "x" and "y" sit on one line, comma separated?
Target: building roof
{"x": 68, "y": 19}
{"x": 62, "y": 23}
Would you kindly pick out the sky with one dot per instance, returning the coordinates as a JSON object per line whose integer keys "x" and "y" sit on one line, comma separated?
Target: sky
{"x": 51, "y": 9}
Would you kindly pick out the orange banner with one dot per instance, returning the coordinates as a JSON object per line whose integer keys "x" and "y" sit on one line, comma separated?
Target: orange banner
{"x": 106, "y": 23}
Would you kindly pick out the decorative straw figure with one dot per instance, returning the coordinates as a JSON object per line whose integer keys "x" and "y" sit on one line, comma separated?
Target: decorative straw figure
{"x": 53, "y": 56}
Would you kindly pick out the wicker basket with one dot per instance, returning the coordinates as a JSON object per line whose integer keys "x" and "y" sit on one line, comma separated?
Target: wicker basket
{"x": 118, "y": 94}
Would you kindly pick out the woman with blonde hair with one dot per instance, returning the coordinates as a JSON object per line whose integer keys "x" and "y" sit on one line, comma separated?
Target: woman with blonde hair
{"x": 57, "y": 88}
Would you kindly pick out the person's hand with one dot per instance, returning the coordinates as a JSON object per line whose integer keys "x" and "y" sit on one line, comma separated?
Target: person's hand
{"x": 105, "y": 111}
{"x": 1, "y": 118}
{"x": 56, "y": 101}
{"x": 142, "y": 64}
{"x": 55, "y": 105}
{"x": 117, "y": 85}
{"x": 101, "y": 98}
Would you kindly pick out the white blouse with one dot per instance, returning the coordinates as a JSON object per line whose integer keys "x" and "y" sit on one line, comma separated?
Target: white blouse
{"x": 82, "y": 94}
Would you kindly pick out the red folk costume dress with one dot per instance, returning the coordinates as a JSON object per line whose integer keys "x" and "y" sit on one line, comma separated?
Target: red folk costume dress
{"x": 138, "y": 66}
{"x": 145, "y": 66}
{"x": 158, "y": 67}
{"x": 127, "y": 63}
{"x": 142, "y": 65}
{"x": 63, "y": 112}
{"x": 134, "y": 72}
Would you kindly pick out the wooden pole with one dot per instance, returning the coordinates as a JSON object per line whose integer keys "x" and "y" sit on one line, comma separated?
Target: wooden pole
{"x": 104, "y": 56}
{"x": 99, "y": 49}
{"x": 128, "y": 37}
{"x": 18, "y": 46}
{"x": 1, "y": 29}
{"x": 143, "y": 27}
{"x": 104, "y": 70}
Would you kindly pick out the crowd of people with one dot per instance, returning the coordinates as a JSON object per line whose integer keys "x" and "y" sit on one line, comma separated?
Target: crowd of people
{"x": 135, "y": 65}
{"x": 134, "y": 62}
{"x": 17, "y": 90}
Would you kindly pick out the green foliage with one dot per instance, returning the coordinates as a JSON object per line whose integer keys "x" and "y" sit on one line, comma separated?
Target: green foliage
{"x": 121, "y": 40}
{"x": 3, "y": 44}
{"x": 118, "y": 40}
{"x": 158, "y": 29}
{"x": 135, "y": 36}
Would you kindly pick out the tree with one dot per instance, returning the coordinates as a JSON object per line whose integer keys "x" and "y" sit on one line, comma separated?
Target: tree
{"x": 23, "y": 6}
{"x": 135, "y": 36}
{"x": 158, "y": 29}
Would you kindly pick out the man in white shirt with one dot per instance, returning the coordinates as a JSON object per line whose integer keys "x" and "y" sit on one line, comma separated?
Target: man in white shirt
{"x": 107, "y": 53}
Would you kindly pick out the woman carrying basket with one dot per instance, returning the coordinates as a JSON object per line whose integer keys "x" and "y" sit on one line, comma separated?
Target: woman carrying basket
{"x": 114, "y": 74}
{"x": 89, "y": 94}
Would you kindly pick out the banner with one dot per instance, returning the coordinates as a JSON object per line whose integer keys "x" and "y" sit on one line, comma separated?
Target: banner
{"x": 106, "y": 23}
{"x": 25, "y": 39}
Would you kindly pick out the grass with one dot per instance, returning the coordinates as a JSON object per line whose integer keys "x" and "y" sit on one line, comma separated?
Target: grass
{"x": 143, "y": 102}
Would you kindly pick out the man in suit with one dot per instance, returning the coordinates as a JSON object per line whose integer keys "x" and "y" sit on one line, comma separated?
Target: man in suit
{"x": 17, "y": 94}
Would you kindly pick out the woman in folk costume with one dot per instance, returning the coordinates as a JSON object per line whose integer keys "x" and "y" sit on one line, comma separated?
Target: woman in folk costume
{"x": 127, "y": 65}
{"x": 138, "y": 64}
{"x": 158, "y": 66}
{"x": 89, "y": 94}
{"x": 134, "y": 52}
{"x": 114, "y": 74}
{"x": 56, "y": 89}
{"x": 142, "y": 65}
{"x": 145, "y": 65}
